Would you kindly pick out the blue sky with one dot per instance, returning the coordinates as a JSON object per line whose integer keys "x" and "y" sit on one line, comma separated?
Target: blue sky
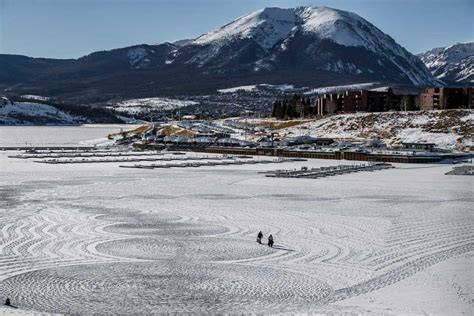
{"x": 72, "y": 28}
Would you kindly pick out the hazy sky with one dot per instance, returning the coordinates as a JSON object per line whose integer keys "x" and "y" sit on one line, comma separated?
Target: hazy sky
{"x": 72, "y": 28}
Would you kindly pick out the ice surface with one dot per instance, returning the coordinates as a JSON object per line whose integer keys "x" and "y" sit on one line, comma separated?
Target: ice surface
{"x": 88, "y": 134}
{"x": 94, "y": 238}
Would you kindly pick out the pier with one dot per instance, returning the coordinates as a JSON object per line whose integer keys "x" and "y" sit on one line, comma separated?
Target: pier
{"x": 206, "y": 164}
{"x": 461, "y": 171}
{"x": 322, "y": 172}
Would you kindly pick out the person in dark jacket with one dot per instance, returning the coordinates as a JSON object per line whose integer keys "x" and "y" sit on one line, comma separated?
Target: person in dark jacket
{"x": 270, "y": 240}
{"x": 7, "y": 302}
{"x": 259, "y": 237}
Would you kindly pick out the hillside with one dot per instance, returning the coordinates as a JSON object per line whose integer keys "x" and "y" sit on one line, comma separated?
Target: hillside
{"x": 35, "y": 110}
{"x": 452, "y": 129}
{"x": 454, "y": 63}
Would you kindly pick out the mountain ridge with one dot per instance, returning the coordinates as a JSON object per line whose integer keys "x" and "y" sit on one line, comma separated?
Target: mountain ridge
{"x": 312, "y": 46}
{"x": 454, "y": 63}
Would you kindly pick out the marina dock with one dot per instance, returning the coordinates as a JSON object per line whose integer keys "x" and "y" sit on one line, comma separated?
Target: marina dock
{"x": 322, "y": 172}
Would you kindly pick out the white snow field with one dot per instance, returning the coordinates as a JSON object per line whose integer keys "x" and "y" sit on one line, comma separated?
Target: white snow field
{"x": 99, "y": 239}
{"x": 87, "y": 134}
{"x": 27, "y": 113}
{"x": 134, "y": 106}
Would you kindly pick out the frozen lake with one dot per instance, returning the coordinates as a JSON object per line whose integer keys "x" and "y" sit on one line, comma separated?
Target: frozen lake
{"x": 96, "y": 238}
{"x": 56, "y": 135}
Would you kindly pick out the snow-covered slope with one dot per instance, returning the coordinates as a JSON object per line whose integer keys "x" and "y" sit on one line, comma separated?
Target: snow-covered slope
{"x": 147, "y": 105}
{"x": 30, "y": 113}
{"x": 450, "y": 129}
{"x": 447, "y": 129}
{"x": 453, "y": 63}
{"x": 335, "y": 89}
{"x": 270, "y": 25}
{"x": 275, "y": 28}
{"x": 266, "y": 26}
{"x": 255, "y": 87}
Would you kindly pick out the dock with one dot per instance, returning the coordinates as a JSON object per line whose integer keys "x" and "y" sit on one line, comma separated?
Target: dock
{"x": 461, "y": 171}
{"x": 140, "y": 158}
{"x": 206, "y": 164}
{"x": 322, "y": 172}
{"x": 337, "y": 154}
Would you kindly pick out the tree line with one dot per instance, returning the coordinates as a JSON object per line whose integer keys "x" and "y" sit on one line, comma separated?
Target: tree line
{"x": 296, "y": 107}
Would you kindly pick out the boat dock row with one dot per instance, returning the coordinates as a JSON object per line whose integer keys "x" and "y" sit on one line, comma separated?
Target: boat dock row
{"x": 387, "y": 156}
{"x": 139, "y": 159}
{"x": 85, "y": 155}
{"x": 40, "y": 148}
{"x": 205, "y": 164}
{"x": 322, "y": 172}
{"x": 461, "y": 171}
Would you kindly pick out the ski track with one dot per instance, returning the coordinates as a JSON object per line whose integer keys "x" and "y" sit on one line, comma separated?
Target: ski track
{"x": 204, "y": 259}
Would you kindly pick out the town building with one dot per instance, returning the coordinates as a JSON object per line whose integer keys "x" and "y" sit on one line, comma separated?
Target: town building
{"x": 419, "y": 146}
{"x": 328, "y": 103}
{"x": 442, "y": 98}
{"x": 380, "y": 100}
{"x": 369, "y": 101}
{"x": 469, "y": 97}
{"x": 408, "y": 102}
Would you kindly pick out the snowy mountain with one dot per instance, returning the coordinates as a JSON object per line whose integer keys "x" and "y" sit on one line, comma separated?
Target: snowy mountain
{"x": 304, "y": 46}
{"x": 277, "y": 31}
{"x": 146, "y": 105}
{"x": 452, "y": 63}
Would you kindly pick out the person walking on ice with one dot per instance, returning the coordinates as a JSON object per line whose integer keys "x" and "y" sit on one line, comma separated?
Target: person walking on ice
{"x": 270, "y": 240}
{"x": 259, "y": 237}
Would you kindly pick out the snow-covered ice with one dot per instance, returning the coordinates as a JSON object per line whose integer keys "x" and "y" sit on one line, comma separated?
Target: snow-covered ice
{"x": 94, "y": 238}
{"x": 87, "y": 134}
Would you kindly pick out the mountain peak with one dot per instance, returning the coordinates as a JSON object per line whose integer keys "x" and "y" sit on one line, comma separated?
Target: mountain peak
{"x": 452, "y": 63}
{"x": 269, "y": 26}
{"x": 266, "y": 26}
{"x": 272, "y": 28}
